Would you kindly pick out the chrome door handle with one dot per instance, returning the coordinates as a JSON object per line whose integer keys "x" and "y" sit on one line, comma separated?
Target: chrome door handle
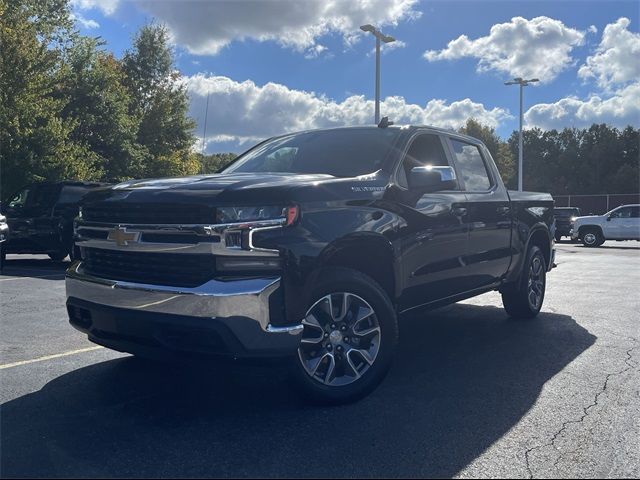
{"x": 504, "y": 210}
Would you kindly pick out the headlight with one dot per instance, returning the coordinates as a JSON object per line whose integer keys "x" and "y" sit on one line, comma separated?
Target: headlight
{"x": 80, "y": 212}
{"x": 573, "y": 219}
{"x": 253, "y": 214}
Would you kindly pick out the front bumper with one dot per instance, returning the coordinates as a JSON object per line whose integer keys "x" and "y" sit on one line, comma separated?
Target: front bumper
{"x": 232, "y": 318}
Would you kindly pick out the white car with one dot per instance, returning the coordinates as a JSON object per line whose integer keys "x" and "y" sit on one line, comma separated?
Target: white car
{"x": 621, "y": 223}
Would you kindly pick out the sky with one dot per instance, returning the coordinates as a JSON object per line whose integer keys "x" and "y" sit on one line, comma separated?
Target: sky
{"x": 275, "y": 66}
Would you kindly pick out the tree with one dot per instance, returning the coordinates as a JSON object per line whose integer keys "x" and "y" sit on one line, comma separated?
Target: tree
{"x": 214, "y": 162}
{"x": 34, "y": 137}
{"x": 159, "y": 100}
{"x": 98, "y": 101}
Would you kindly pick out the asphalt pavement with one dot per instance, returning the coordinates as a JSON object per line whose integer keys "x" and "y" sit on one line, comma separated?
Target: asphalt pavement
{"x": 472, "y": 393}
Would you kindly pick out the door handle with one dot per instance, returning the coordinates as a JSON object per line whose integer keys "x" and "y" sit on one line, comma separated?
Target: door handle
{"x": 459, "y": 211}
{"x": 504, "y": 210}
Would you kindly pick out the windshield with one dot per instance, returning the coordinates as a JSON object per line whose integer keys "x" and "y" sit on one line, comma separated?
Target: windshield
{"x": 566, "y": 212}
{"x": 341, "y": 153}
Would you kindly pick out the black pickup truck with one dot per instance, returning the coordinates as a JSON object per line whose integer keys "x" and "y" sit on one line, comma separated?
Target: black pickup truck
{"x": 40, "y": 217}
{"x": 309, "y": 246}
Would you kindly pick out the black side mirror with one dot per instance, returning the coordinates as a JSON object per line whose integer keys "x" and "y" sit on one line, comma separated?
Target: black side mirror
{"x": 608, "y": 218}
{"x": 431, "y": 178}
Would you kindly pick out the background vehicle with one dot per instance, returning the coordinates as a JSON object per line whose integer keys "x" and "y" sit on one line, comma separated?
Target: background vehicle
{"x": 622, "y": 223}
{"x": 564, "y": 220}
{"x": 41, "y": 216}
{"x": 310, "y": 246}
{"x": 4, "y": 235}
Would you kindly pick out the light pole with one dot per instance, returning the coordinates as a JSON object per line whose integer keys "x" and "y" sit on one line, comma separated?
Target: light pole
{"x": 386, "y": 39}
{"x": 523, "y": 83}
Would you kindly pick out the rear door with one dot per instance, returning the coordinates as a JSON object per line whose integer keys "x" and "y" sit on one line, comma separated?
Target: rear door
{"x": 488, "y": 214}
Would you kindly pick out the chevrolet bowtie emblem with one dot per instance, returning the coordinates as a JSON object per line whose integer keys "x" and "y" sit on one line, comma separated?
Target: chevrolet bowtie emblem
{"x": 122, "y": 237}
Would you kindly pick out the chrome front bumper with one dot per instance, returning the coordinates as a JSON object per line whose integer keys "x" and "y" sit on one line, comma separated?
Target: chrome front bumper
{"x": 243, "y": 307}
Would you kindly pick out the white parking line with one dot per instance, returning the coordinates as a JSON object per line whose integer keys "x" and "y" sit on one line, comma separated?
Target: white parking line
{"x": 33, "y": 276}
{"x": 49, "y": 357}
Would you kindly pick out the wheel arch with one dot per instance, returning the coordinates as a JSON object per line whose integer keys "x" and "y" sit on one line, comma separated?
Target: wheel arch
{"x": 368, "y": 253}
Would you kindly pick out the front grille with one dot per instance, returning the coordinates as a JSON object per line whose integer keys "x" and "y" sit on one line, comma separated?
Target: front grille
{"x": 148, "y": 213}
{"x": 179, "y": 270}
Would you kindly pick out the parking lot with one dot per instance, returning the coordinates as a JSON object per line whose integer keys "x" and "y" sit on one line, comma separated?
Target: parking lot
{"x": 472, "y": 393}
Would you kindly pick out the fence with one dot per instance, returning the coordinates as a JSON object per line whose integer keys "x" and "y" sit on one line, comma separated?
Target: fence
{"x": 596, "y": 204}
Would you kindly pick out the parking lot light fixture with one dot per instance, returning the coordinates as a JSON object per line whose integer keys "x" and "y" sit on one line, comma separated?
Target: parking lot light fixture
{"x": 523, "y": 83}
{"x": 380, "y": 37}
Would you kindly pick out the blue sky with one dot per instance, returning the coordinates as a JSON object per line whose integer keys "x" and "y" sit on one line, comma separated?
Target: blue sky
{"x": 282, "y": 65}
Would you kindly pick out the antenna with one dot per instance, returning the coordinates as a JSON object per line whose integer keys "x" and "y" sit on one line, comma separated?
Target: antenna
{"x": 384, "y": 123}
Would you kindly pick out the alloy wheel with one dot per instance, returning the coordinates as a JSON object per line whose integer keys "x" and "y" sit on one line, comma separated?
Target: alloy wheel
{"x": 535, "y": 289}
{"x": 341, "y": 339}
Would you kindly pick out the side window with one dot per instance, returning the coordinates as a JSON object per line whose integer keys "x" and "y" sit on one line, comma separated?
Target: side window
{"x": 19, "y": 199}
{"x": 72, "y": 193}
{"x": 471, "y": 166}
{"x": 425, "y": 149}
{"x": 622, "y": 213}
{"x": 635, "y": 212}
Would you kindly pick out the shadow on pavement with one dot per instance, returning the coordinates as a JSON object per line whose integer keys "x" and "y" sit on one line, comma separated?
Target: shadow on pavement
{"x": 464, "y": 376}
{"x": 33, "y": 267}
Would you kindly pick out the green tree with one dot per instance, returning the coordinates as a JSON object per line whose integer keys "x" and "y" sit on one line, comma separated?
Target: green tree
{"x": 160, "y": 101}
{"x": 98, "y": 101}
{"x": 214, "y": 162}
{"x": 34, "y": 134}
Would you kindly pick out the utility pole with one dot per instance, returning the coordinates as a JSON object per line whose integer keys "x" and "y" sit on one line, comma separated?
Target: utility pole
{"x": 380, "y": 37}
{"x": 523, "y": 83}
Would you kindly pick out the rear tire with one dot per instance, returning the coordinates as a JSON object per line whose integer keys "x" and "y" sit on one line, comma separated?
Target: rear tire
{"x": 524, "y": 299}
{"x": 592, "y": 237}
{"x": 349, "y": 339}
{"x": 58, "y": 256}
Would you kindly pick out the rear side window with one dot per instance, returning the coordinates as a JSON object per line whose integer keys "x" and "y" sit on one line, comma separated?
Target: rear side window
{"x": 72, "y": 193}
{"x": 471, "y": 166}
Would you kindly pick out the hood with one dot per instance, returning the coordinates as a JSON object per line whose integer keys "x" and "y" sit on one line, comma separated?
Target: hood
{"x": 221, "y": 189}
{"x": 589, "y": 218}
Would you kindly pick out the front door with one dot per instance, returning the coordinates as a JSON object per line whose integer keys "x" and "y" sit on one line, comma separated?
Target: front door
{"x": 434, "y": 238}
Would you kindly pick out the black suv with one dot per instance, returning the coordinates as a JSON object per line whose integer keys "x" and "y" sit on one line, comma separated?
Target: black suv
{"x": 40, "y": 217}
{"x": 563, "y": 216}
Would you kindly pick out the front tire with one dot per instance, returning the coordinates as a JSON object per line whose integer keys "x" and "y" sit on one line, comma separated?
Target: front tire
{"x": 524, "y": 300}
{"x": 349, "y": 338}
{"x": 592, "y": 237}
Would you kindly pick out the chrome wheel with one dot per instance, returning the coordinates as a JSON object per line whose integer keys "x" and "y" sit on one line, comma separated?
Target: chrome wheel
{"x": 590, "y": 238}
{"x": 341, "y": 339}
{"x": 535, "y": 288}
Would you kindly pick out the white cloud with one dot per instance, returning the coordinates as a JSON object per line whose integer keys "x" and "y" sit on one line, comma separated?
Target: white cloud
{"x": 206, "y": 27}
{"x": 85, "y": 22}
{"x": 388, "y": 47}
{"x": 616, "y": 61}
{"x": 108, "y": 7}
{"x": 244, "y": 111}
{"x": 540, "y": 47}
{"x": 621, "y": 109}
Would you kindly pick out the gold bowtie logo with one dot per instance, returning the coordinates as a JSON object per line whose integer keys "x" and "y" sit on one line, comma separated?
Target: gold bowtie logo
{"x": 122, "y": 237}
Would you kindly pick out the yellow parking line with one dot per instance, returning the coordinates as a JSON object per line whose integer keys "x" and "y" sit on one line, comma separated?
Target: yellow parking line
{"x": 49, "y": 357}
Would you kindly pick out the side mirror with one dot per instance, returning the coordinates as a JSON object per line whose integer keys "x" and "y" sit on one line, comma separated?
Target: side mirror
{"x": 608, "y": 218}
{"x": 431, "y": 178}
